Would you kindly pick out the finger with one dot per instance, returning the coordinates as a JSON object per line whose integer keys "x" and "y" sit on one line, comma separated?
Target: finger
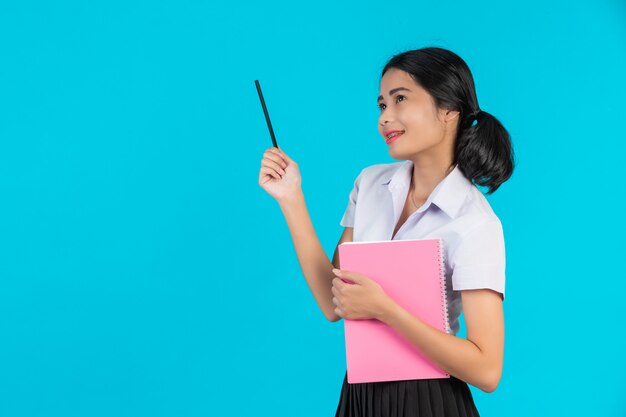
{"x": 339, "y": 312}
{"x": 270, "y": 172}
{"x": 337, "y": 302}
{"x": 284, "y": 155}
{"x": 353, "y": 277}
{"x": 271, "y": 164}
{"x": 276, "y": 157}
{"x": 278, "y": 152}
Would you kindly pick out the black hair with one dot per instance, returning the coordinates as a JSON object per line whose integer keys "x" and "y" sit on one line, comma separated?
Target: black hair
{"x": 483, "y": 151}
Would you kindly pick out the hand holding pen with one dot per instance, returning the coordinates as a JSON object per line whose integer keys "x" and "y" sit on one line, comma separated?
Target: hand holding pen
{"x": 279, "y": 175}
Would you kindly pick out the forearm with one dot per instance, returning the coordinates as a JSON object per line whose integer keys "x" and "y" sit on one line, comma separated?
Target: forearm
{"x": 459, "y": 357}
{"x": 314, "y": 262}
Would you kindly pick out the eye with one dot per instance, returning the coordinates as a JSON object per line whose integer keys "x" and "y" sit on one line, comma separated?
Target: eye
{"x": 380, "y": 106}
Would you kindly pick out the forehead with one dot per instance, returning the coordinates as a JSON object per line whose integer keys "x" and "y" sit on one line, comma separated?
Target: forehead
{"x": 395, "y": 78}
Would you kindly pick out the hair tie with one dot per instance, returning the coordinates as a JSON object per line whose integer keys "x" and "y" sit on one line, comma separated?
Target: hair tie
{"x": 475, "y": 116}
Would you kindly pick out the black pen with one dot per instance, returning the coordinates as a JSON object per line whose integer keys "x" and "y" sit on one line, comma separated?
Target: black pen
{"x": 267, "y": 116}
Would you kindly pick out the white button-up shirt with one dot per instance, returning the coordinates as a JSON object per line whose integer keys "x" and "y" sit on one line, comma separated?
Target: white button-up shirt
{"x": 456, "y": 212}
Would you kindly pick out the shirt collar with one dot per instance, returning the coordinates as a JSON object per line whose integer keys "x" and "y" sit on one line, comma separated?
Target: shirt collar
{"x": 448, "y": 195}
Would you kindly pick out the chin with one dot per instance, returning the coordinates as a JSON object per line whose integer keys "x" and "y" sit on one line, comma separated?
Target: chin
{"x": 398, "y": 153}
{"x": 398, "y": 156}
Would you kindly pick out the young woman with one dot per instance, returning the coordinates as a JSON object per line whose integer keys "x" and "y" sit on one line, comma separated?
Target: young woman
{"x": 431, "y": 122}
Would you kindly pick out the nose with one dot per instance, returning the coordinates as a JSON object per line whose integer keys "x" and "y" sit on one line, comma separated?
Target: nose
{"x": 385, "y": 116}
{"x": 383, "y": 119}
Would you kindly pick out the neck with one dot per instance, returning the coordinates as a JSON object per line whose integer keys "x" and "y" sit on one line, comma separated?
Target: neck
{"x": 427, "y": 175}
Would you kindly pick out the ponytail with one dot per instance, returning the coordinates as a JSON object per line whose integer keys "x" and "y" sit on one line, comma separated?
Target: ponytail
{"x": 483, "y": 150}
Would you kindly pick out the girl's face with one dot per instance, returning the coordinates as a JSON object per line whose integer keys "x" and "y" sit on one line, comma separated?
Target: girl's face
{"x": 407, "y": 107}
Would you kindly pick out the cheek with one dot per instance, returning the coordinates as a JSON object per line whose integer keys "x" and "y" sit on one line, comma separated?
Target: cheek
{"x": 414, "y": 117}
{"x": 421, "y": 126}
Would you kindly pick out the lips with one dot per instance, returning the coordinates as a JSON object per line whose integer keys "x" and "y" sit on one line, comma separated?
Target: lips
{"x": 393, "y": 138}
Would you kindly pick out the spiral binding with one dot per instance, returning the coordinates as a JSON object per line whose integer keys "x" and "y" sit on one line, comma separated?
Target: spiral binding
{"x": 444, "y": 290}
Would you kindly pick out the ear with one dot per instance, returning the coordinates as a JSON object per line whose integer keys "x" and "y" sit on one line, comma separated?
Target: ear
{"x": 447, "y": 115}
{"x": 451, "y": 115}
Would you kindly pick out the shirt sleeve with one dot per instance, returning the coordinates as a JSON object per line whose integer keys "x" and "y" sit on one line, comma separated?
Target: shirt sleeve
{"x": 348, "y": 216}
{"x": 479, "y": 261}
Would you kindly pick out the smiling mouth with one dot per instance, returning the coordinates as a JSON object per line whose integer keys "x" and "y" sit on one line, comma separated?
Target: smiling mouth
{"x": 394, "y": 136}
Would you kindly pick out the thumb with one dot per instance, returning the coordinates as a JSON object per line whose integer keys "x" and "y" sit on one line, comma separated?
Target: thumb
{"x": 357, "y": 278}
{"x": 353, "y": 276}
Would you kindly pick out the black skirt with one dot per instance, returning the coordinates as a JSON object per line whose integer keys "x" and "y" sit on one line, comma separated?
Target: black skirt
{"x": 445, "y": 397}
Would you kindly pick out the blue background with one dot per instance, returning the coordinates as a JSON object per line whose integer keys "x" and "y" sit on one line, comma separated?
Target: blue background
{"x": 143, "y": 270}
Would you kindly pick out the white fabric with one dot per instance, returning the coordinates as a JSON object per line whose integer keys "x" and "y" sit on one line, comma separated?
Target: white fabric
{"x": 456, "y": 212}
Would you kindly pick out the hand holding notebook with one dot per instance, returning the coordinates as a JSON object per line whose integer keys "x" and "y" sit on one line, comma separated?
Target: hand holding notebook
{"x": 366, "y": 300}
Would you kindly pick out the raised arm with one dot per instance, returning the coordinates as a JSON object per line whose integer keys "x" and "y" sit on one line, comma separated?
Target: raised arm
{"x": 280, "y": 177}
{"x": 314, "y": 262}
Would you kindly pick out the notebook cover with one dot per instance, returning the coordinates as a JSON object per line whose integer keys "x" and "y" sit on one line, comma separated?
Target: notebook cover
{"x": 412, "y": 273}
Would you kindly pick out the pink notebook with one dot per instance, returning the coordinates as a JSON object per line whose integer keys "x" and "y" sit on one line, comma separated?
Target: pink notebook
{"x": 412, "y": 273}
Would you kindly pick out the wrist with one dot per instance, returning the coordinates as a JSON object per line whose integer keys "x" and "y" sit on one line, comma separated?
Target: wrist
{"x": 291, "y": 201}
{"x": 389, "y": 312}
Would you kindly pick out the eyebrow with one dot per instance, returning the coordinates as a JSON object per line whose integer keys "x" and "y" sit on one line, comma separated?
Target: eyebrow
{"x": 393, "y": 91}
